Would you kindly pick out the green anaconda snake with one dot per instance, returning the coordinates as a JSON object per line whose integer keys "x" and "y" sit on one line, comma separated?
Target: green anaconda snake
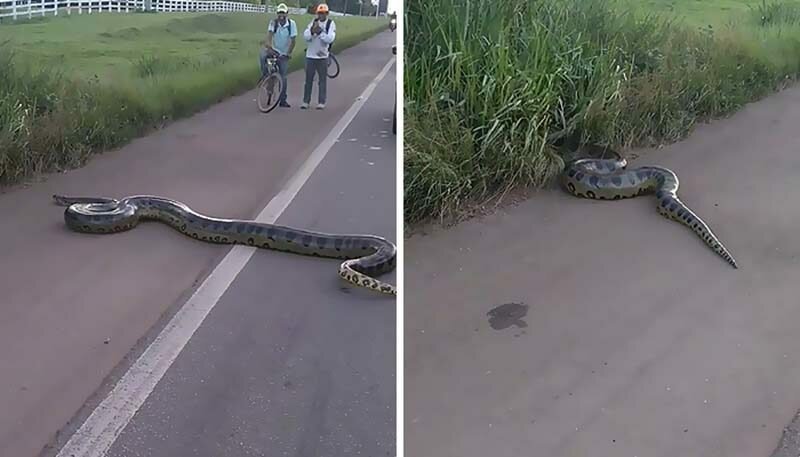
{"x": 608, "y": 179}
{"x": 366, "y": 255}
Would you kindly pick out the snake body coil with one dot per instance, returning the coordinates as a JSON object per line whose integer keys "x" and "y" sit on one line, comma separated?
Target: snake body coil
{"x": 607, "y": 179}
{"x": 366, "y": 255}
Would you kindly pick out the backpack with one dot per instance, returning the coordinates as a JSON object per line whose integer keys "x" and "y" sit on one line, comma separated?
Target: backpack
{"x": 327, "y": 30}
{"x": 275, "y": 26}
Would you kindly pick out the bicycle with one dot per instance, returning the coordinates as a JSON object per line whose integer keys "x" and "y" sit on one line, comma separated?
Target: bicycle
{"x": 270, "y": 85}
{"x": 332, "y": 62}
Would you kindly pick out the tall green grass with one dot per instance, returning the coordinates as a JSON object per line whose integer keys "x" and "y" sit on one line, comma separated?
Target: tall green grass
{"x": 54, "y": 116}
{"x": 495, "y": 91}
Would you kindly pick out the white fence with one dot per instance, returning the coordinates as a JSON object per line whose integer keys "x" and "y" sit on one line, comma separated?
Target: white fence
{"x": 14, "y": 9}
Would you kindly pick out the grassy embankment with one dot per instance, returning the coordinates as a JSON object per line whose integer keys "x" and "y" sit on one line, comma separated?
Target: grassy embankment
{"x": 493, "y": 89}
{"x": 73, "y": 86}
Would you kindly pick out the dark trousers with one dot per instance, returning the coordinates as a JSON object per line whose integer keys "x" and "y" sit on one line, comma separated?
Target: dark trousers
{"x": 283, "y": 69}
{"x": 320, "y": 68}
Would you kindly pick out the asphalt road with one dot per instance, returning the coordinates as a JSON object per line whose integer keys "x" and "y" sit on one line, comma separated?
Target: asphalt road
{"x": 572, "y": 328}
{"x": 74, "y": 305}
{"x": 293, "y": 361}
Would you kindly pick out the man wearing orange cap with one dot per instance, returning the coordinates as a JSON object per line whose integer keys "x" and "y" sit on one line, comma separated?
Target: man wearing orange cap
{"x": 318, "y": 35}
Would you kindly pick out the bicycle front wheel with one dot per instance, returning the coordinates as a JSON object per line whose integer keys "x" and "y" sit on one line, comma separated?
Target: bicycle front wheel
{"x": 269, "y": 93}
{"x": 333, "y": 66}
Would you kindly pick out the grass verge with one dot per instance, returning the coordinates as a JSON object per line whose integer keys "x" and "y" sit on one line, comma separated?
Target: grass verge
{"x": 74, "y": 86}
{"x": 496, "y": 91}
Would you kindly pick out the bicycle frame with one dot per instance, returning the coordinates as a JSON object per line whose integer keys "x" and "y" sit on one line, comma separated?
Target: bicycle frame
{"x": 271, "y": 64}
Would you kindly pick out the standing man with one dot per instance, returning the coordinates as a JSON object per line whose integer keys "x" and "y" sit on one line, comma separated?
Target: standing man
{"x": 319, "y": 35}
{"x": 281, "y": 34}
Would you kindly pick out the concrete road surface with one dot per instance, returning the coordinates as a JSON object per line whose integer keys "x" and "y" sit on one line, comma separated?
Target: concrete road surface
{"x": 571, "y": 328}
{"x": 74, "y": 305}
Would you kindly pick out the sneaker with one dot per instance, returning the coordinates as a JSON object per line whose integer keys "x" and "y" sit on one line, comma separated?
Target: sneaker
{"x": 320, "y": 106}
{"x": 304, "y": 106}
{"x": 284, "y": 105}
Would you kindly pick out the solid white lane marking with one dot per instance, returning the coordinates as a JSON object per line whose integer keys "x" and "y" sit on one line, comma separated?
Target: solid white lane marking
{"x": 96, "y": 435}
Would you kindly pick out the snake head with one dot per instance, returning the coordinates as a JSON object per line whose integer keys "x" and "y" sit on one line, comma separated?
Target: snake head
{"x": 63, "y": 200}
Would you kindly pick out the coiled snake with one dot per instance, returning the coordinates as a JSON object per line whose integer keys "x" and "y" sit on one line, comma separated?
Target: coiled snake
{"x": 366, "y": 255}
{"x": 607, "y": 179}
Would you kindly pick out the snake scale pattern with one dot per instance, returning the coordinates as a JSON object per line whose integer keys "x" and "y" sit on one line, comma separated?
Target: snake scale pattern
{"x": 608, "y": 179}
{"x": 365, "y": 256}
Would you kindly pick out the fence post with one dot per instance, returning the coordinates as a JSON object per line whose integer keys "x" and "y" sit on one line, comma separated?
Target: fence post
{"x": 14, "y": 9}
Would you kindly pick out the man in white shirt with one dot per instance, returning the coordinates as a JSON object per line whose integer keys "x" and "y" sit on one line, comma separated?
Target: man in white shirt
{"x": 319, "y": 35}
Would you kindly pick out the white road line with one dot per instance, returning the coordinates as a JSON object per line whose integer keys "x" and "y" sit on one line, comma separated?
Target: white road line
{"x": 96, "y": 435}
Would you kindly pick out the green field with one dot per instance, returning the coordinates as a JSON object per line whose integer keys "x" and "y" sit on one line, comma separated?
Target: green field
{"x": 702, "y": 12}
{"x": 118, "y": 45}
{"x": 74, "y": 85}
{"x": 768, "y": 30}
{"x": 497, "y": 93}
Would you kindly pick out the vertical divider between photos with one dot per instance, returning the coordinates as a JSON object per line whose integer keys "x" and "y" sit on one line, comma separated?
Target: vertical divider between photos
{"x": 399, "y": 332}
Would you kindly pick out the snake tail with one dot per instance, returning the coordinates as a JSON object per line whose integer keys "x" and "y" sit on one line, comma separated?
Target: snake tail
{"x": 608, "y": 179}
{"x": 671, "y": 207}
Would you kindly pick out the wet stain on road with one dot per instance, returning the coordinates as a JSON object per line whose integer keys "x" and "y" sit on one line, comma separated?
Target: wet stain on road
{"x": 504, "y": 316}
